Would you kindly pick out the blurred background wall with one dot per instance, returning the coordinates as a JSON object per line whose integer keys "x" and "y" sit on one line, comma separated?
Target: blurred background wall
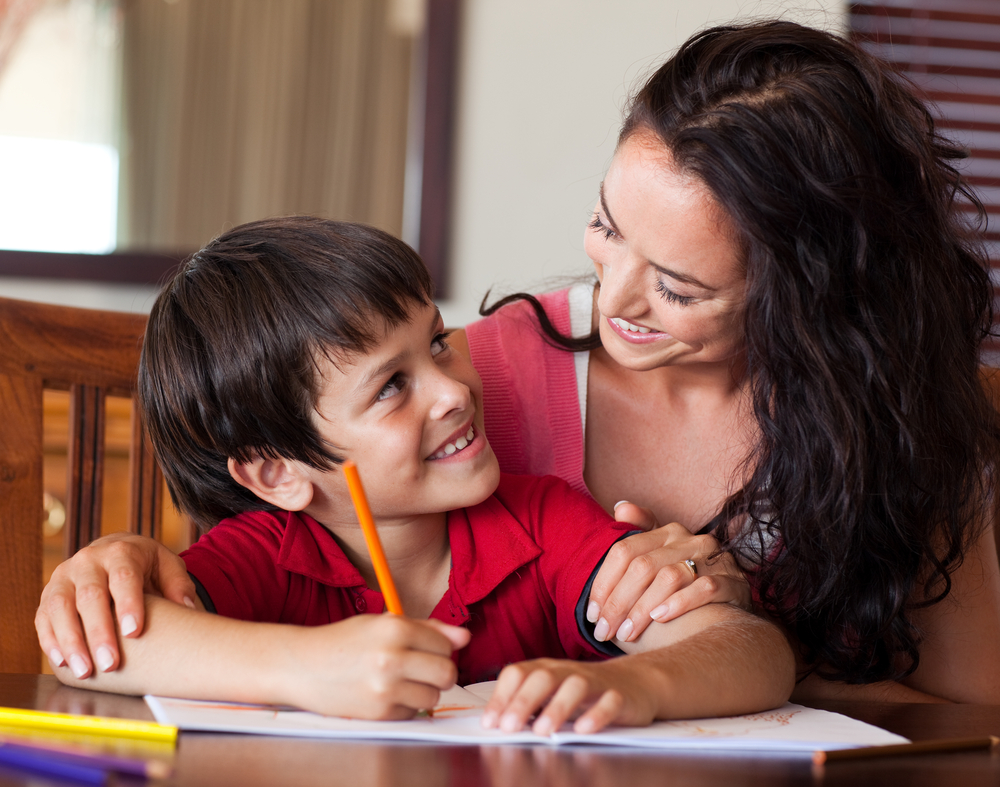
{"x": 540, "y": 88}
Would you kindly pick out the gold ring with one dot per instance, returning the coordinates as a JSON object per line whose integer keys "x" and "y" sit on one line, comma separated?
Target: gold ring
{"x": 690, "y": 564}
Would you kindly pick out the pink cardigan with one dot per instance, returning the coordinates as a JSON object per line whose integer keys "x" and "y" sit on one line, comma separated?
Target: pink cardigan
{"x": 530, "y": 401}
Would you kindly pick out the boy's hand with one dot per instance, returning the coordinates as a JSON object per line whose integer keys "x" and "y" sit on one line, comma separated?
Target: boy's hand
{"x": 596, "y": 694}
{"x": 376, "y": 666}
{"x": 644, "y": 577}
{"x": 76, "y": 605}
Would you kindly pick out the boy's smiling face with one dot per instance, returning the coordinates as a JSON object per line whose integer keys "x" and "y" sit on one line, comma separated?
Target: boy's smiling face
{"x": 409, "y": 414}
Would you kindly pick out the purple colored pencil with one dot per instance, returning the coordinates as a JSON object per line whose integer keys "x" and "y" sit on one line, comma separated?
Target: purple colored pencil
{"x": 103, "y": 762}
{"x": 35, "y": 762}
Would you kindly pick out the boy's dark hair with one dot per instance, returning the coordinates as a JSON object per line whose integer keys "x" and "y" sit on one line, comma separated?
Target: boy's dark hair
{"x": 229, "y": 361}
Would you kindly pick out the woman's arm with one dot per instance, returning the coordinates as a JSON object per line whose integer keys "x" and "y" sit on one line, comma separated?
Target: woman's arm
{"x": 714, "y": 661}
{"x": 960, "y": 650}
{"x": 368, "y": 666}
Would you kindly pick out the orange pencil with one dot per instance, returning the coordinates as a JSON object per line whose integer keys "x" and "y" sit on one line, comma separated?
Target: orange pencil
{"x": 379, "y": 562}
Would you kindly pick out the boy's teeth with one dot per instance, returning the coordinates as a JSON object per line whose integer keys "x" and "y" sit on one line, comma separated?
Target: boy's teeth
{"x": 458, "y": 445}
{"x": 627, "y": 326}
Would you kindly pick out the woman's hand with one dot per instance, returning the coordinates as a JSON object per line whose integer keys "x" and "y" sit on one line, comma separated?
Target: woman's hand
{"x": 76, "y": 605}
{"x": 595, "y": 694}
{"x": 646, "y": 577}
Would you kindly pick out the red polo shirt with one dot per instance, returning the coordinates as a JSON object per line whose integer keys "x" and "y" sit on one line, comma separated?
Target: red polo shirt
{"x": 521, "y": 560}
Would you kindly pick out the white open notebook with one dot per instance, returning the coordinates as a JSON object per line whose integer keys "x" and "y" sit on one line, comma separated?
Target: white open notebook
{"x": 790, "y": 729}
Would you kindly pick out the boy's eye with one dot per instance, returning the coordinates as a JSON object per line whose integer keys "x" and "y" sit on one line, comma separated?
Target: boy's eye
{"x": 391, "y": 388}
{"x": 439, "y": 343}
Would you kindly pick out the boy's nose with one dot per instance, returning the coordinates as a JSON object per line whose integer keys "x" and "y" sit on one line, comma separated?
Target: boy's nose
{"x": 449, "y": 395}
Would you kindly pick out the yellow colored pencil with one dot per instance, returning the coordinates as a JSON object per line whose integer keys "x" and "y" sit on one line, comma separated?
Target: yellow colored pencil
{"x": 380, "y": 564}
{"x": 19, "y": 718}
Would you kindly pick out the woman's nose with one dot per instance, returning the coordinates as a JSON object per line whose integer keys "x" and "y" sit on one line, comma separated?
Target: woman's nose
{"x": 622, "y": 289}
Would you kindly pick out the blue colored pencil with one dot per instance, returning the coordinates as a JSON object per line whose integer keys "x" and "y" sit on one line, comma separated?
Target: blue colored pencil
{"x": 21, "y": 758}
{"x": 152, "y": 769}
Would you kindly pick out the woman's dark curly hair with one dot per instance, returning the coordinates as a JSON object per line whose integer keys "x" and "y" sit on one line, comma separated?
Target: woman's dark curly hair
{"x": 867, "y": 299}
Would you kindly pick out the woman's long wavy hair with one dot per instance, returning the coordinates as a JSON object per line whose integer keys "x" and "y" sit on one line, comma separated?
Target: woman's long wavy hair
{"x": 867, "y": 300}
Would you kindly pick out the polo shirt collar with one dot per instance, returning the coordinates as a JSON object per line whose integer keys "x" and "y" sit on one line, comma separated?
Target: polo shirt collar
{"x": 487, "y": 545}
{"x": 309, "y": 549}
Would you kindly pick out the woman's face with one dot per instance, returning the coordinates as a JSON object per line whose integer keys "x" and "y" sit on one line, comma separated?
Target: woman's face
{"x": 672, "y": 284}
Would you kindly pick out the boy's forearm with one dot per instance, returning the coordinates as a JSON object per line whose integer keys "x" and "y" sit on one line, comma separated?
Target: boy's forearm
{"x": 200, "y": 656}
{"x": 716, "y": 661}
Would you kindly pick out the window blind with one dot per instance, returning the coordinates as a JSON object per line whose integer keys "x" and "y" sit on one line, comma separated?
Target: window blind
{"x": 951, "y": 50}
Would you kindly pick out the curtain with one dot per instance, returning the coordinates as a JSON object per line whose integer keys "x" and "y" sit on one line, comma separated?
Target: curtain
{"x": 239, "y": 109}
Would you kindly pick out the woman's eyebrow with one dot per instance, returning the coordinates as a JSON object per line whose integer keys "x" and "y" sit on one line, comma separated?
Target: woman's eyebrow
{"x": 604, "y": 207}
{"x": 681, "y": 277}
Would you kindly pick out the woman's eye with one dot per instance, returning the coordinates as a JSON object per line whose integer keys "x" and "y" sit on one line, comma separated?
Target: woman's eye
{"x": 672, "y": 297}
{"x": 391, "y": 388}
{"x": 440, "y": 343}
{"x": 600, "y": 226}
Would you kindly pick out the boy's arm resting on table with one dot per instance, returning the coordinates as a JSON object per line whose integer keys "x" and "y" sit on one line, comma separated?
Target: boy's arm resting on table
{"x": 368, "y": 666}
{"x": 716, "y": 660}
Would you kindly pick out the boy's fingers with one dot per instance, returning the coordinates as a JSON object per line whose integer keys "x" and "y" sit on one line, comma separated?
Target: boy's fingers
{"x": 531, "y": 695}
{"x": 433, "y": 671}
{"x": 508, "y": 682}
{"x": 570, "y": 695}
{"x": 409, "y": 698}
{"x": 457, "y": 636}
{"x": 603, "y": 712}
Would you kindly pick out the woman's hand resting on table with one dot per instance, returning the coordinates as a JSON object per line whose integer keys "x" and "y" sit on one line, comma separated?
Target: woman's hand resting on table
{"x": 108, "y": 578}
{"x": 645, "y": 577}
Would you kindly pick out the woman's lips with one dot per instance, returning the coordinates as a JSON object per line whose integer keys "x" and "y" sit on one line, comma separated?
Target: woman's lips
{"x": 636, "y": 334}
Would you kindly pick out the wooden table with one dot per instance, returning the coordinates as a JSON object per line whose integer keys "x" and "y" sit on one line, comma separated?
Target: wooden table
{"x": 213, "y": 760}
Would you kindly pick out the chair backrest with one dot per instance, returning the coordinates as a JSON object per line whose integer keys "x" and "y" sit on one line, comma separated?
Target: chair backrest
{"x": 92, "y": 354}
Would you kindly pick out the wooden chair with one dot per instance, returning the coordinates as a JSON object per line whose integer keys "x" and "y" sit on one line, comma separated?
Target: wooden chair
{"x": 92, "y": 354}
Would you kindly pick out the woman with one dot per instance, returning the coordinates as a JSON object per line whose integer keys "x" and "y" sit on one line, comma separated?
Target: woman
{"x": 788, "y": 317}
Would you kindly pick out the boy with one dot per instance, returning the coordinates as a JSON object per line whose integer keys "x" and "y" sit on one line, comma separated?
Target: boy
{"x": 283, "y": 348}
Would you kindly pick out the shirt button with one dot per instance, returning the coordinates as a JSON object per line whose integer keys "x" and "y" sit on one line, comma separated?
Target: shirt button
{"x": 360, "y": 604}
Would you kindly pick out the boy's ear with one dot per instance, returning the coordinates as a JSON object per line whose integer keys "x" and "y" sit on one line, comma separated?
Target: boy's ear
{"x": 281, "y": 482}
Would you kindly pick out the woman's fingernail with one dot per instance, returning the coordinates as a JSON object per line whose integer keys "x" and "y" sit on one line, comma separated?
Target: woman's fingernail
{"x": 620, "y": 502}
{"x": 659, "y": 612}
{"x": 104, "y": 658}
{"x": 593, "y": 612}
{"x": 77, "y": 665}
{"x": 601, "y": 630}
{"x": 56, "y": 657}
{"x": 489, "y": 719}
{"x": 128, "y": 625}
{"x": 188, "y": 602}
{"x": 509, "y": 723}
{"x": 624, "y": 631}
